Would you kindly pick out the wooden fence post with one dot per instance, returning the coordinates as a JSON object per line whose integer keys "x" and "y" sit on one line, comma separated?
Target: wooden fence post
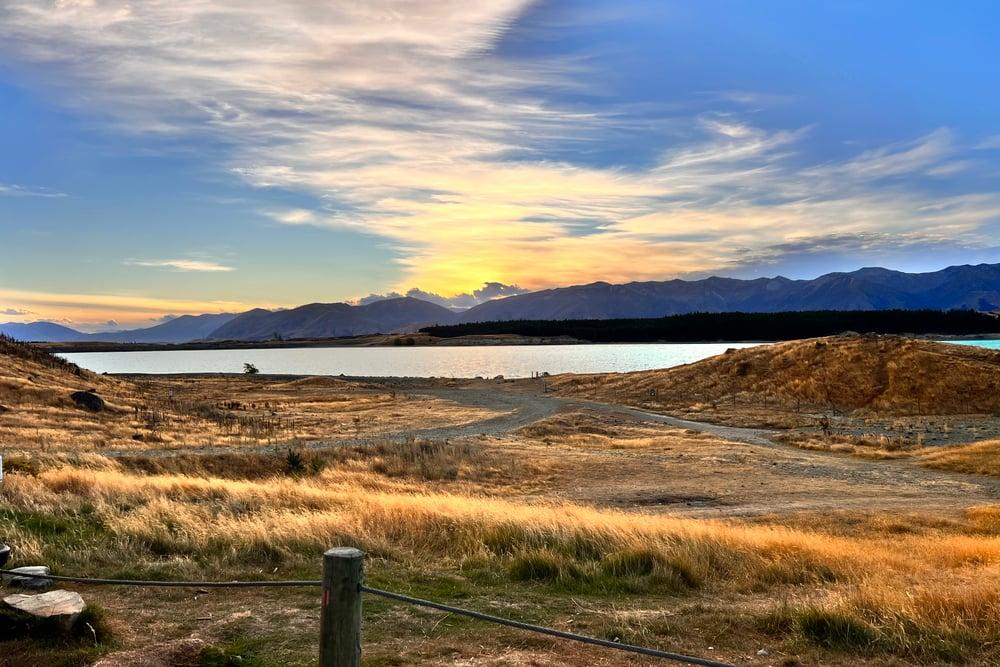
{"x": 340, "y": 618}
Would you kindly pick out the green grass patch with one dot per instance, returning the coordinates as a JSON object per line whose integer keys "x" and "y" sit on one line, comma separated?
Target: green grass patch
{"x": 846, "y": 632}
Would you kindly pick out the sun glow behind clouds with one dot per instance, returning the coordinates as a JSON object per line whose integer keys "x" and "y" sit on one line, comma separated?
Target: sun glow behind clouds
{"x": 402, "y": 121}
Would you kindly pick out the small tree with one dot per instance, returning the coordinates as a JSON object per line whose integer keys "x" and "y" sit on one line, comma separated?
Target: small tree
{"x": 250, "y": 369}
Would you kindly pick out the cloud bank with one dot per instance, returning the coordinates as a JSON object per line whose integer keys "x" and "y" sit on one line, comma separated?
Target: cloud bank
{"x": 488, "y": 292}
{"x": 404, "y": 122}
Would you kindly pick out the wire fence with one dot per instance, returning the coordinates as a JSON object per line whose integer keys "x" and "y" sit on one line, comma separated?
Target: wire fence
{"x": 390, "y": 595}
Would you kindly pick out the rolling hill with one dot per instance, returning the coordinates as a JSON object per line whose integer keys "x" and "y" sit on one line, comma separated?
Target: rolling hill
{"x": 890, "y": 375}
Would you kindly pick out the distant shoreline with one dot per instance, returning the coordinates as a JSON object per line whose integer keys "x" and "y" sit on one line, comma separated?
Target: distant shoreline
{"x": 399, "y": 340}
{"x": 373, "y": 340}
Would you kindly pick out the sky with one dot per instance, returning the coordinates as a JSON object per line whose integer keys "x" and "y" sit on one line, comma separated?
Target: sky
{"x": 162, "y": 157}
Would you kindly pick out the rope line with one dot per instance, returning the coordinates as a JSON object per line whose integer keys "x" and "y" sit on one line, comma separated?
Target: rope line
{"x": 398, "y": 597}
{"x": 499, "y": 620}
{"x": 166, "y": 584}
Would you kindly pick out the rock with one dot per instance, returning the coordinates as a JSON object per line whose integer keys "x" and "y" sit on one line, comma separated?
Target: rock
{"x": 167, "y": 654}
{"x": 28, "y": 582}
{"x": 57, "y": 609}
{"x": 4, "y": 554}
{"x": 3, "y": 409}
{"x": 88, "y": 400}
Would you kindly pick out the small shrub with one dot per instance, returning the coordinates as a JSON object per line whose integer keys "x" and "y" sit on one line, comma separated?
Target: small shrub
{"x": 316, "y": 465}
{"x": 295, "y": 463}
{"x": 250, "y": 369}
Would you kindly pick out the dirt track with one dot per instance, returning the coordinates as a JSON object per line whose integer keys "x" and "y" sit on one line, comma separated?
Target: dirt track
{"x": 519, "y": 409}
{"x": 736, "y": 472}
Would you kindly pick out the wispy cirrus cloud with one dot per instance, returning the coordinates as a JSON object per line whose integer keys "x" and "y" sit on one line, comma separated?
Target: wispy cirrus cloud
{"x": 13, "y": 190}
{"x": 186, "y": 265}
{"x": 403, "y": 121}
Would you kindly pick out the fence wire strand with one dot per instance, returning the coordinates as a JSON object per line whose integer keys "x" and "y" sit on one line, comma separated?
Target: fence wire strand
{"x": 152, "y": 583}
{"x": 398, "y": 597}
{"x": 572, "y": 636}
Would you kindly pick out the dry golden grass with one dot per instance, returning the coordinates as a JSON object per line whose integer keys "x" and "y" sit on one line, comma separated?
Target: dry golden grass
{"x": 979, "y": 458}
{"x": 905, "y": 592}
{"x": 871, "y": 446}
{"x": 890, "y": 375}
{"x": 38, "y": 414}
{"x": 603, "y": 432}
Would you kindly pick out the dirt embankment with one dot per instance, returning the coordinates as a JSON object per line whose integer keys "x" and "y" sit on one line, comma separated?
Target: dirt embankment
{"x": 889, "y": 375}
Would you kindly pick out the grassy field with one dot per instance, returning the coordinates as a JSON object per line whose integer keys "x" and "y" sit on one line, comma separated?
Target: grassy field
{"x": 587, "y": 520}
{"x": 897, "y": 589}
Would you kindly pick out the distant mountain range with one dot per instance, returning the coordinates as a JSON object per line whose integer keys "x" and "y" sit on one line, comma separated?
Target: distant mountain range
{"x": 42, "y": 332}
{"x": 178, "y": 330}
{"x": 323, "y": 320}
{"x": 973, "y": 287}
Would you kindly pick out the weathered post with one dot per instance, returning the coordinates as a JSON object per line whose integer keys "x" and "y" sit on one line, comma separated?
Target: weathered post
{"x": 340, "y": 618}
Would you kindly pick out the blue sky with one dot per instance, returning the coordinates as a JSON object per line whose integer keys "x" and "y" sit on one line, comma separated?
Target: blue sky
{"x": 165, "y": 157}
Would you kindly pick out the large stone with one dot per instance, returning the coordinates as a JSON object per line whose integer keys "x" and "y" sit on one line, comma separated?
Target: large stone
{"x": 56, "y": 609}
{"x": 28, "y": 582}
{"x": 88, "y": 400}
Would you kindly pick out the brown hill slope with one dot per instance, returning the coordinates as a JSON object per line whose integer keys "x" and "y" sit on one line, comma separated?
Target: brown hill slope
{"x": 31, "y": 375}
{"x": 881, "y": 374}
{"x": 37, "y": 412}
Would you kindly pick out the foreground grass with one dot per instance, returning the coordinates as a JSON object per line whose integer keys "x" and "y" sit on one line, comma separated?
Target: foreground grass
{"x": 893, "y": 593}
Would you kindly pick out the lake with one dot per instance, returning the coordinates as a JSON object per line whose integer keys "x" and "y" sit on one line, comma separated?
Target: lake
{"x": 461, "y": 361}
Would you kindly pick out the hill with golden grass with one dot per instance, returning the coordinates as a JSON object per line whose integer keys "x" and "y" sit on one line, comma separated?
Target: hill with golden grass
{"x": 31, "y": 376}
{"x": 879, "y": 374}
{"x": 38, "y": 413}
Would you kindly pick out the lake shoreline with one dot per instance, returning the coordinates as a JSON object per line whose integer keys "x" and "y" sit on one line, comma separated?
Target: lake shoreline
{"x": 410, "y": 340}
